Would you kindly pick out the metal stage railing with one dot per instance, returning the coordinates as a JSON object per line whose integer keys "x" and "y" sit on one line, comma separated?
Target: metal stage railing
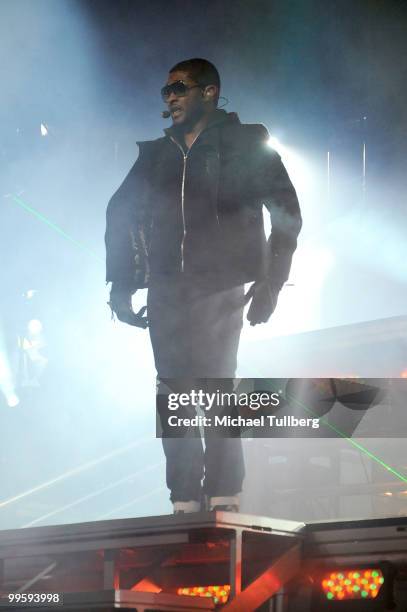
{"x": 149, "y": 563}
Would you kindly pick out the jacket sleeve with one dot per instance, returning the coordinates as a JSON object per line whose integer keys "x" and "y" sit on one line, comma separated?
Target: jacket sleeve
{"x": 277, "y": 192}
{"x": 126, "y": 254}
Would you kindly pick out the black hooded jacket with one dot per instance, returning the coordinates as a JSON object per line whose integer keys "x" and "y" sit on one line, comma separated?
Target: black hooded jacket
{"x": 199, "y": 212}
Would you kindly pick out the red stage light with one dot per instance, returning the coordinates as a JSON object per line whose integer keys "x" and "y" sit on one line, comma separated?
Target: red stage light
{"x": 219, "y": 594}
{"x": 352, "y": 584}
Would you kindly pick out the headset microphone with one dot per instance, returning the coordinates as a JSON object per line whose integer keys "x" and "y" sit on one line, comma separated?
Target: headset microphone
{"x": 165, "y": 114}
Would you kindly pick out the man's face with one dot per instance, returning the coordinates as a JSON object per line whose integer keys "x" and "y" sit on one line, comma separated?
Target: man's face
{"x": 185, "y": 110}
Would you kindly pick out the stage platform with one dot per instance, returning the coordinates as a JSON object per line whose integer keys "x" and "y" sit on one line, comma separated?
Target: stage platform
{"x": 143, "y": 563}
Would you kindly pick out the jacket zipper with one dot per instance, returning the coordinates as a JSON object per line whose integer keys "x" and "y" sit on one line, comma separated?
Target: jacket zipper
{"x": 185, "y": 156}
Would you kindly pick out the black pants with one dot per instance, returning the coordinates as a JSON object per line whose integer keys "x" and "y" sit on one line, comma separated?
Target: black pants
{"x": 195, "y": 331}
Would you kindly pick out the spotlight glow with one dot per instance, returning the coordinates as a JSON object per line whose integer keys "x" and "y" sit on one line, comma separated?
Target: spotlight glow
{"x": 6, "y": 379}
{"x": 311, "y": 264}
{"x": 297, "y": 167}
{"x": 35, "y": 327}
{"x": 274, "y": 143}
{"x": 12, "y": 400}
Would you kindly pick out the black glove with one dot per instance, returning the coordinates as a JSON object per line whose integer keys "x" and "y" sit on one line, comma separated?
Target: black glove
{"x": 120, "y": 304}
{"x": 263, "y": 298}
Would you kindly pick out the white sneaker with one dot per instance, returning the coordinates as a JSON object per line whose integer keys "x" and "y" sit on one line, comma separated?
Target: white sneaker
{"x": 181, "y": 507}
{"x": 224, "y": 504}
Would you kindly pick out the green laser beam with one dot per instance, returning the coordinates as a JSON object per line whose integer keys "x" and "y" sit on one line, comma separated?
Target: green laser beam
{"x": 75, "y": 471}
{"x": 358, "y": 446}
{"x": 55, "y": 227}
{"x": 364, "y": 450}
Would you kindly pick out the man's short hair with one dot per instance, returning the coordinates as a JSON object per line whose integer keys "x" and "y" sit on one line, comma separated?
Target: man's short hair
{"x": 200, "y": 70}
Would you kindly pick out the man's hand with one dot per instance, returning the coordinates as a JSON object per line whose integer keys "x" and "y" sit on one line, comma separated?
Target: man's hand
{"x": 120, "y": 303}
{"x": 263, "y": 301}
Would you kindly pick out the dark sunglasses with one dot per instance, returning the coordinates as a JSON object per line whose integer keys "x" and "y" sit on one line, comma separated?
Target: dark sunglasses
{"x": 178, "y": 88}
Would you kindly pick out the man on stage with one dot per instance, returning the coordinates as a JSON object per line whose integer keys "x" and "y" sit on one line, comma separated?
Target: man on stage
{"x": 187, "y": 223}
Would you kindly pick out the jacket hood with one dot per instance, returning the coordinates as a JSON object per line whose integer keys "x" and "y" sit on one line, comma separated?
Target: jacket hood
{"x": 217, "y": 117}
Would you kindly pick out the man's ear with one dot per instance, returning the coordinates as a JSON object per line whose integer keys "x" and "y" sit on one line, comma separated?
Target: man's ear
{"x": 210, "y": 93}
